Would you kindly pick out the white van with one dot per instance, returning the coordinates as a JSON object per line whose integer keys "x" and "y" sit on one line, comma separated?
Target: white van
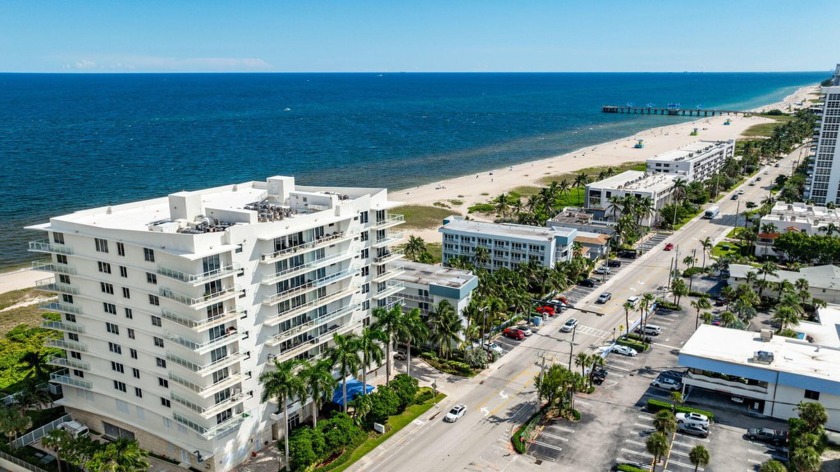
{"x": 75, "y": 429}
{"x": 650, "y": 330}
{"x": 634, "y": 300}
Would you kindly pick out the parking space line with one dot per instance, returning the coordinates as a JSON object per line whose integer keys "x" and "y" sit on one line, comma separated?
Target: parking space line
{"x": 705, "y": 440}
{"x": 567, "y": 430}
{"x": 550, "y": 446}
{"x": 630, "y": 451}
{"x": 642, "y": 425}
{"x": 665, "y": 345}
{"x": 554, "y": 436}
{"x": 637, "y": 443}
{"x": 621, "y": 361}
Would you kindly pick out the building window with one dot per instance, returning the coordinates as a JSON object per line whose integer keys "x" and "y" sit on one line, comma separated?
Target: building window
{"x": 76, "y": 355}
{"x": 158, "y": 341}
{"x": 104, "y": 267}
{"x": 135, "y": 372}
{"x": 163, "y": 382}
{"x": 138, "y": 392}
{"x": 156, "y": 320}
{"x": 130, "y": 333}
{"x": 73, "y": 337}
{"x": 129, "y": 314}
{"x": 66, "y": 298}
{"x": 78, "y": 373}
{"x": 126, "y": 292}
{"x": 69, "y": 317}
{"x": 154, "y": 300}
{"x": 121, "y": 249}
{"x": 123, "y": 271}
{"x": 151, "y": 278}
{"x": 101, "y": 246}
{"x": 58, "y": 238}
{"x": 112, "y": 328}
{"x": 812, "y": 395}
{"x": 133, "y": 353}
{"x": 224, "y": 416}
{"x": 148, "y": 254}
{"x": 106, "y": 288}
{"x": 109, "y": 308}
{"x": 365, "y": 271}
{"x": 64, "y": 278}
{"x": 165, "y": 402}
{"x": 115, "y": 348}
{"x": 160, "y": 362}
{"x": 117, "y": 367}
{"x": 119, "y": 386}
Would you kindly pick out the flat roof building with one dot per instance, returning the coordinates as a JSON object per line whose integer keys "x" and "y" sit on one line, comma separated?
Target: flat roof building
{"x": 699, "y": 160}
{"x": 823, "y": 281}
{"x": 823, "y": 184}
{"x": 798, "y": 217}
{"x": 172, "y": 308}
{"x": 658, "y": 187}
{"x": 426, "y": 285}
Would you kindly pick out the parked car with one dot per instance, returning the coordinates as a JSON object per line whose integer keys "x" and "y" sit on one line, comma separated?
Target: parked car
{"x": 604, "y": 297}
{"x": 525, "y": 330}
{"x": 599, "y": 375}
{"x": 741, "y": 192}
{"x": 675, "y": 374}
{"x": 587, "y": 283}
{"x": 768, "y": 435}
{"x": 777, "y": 165}
{"x": 758, "y": 179}
{"x": 546, "y": 310}
{"x": 569, "y": 326}
{"x": 668, "y": 383}
{"x": 719, "y": 301}
{"x": 693, "y": 429}
{"x": 513, "y": 333}
{"x": 734, "y": 197}
{"x": 400, "y": 356}
{"x": 455, "y": 413}
{"x": 752, "y": 184}
{"x": 649, "y": 330}
{"x": 693, "y": 418}
{"x": 628, "y": 253}
{"x": 601, "y": 270}
{"x": 613, "y": 263}
{"x": 492, "y": 347}
{"x": 669, "y": 246}
{"x": 624, "y": 350}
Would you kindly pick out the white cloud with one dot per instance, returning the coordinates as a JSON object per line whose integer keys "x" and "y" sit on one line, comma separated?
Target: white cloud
{"x": 170, "y": 64}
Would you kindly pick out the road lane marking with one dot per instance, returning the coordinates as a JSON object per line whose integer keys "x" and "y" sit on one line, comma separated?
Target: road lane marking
{"x": 503, "y": 394}
{"x": 485, "y": 411}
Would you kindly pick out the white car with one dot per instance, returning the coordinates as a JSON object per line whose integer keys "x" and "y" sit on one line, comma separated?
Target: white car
{"x": 624, "y": 350}
{"x": 603, "y": 270}
{"x": 525, "y": 330}
{"x": 493, "y": 347}
{"x": 693, "y": 418}
{"x": 569, "y": 326}
{"x": 455, "y": 413}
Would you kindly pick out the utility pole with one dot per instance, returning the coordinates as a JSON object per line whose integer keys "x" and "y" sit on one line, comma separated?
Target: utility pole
{"x": 572, "y": 347}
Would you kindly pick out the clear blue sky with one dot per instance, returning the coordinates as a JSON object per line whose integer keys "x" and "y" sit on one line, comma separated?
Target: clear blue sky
{"x": 418, "y": 36}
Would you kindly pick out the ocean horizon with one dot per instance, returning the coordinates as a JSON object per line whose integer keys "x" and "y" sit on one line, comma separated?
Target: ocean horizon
{"x": 75, "y": 141}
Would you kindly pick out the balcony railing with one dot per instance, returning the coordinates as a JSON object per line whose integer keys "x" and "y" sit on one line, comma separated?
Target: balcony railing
{"x": 713, "y": 383}
{"x": 388, "y": 239}
{"x": 325, "y": 240}
{"x": 311, "y": 324}
{"x": 316, "y": 264}
{"x": 208, "y": 390}
{"x": 46, "y": 246}
{"x": 391, "y": 288}
{"x": 211, "y": 411}
{"x": 71, "y": 345}
{"x": 69, "y": 363}
{"x": 389, "y": 256}
{"x": 198, "y": 278}
{"x": 389, "y": 274}
{"x": 62, "y": 378}
{"x": 208, "y": 298}
{"x": 206, "y": 369}
{"x": 51, "y": 267}
{"x": 61, "y": 307}
{"x": 300, "y": 309}
{"x": 201, "y": 325}
{"x": 308, "y": 286}
{"x": 50, "y": 285}
{"x": 62, "y": 326}
{"x": 204, "y": 347}
{"x": 209, "y": 433}
{"x": 417, "y": 298}
{"x": 391, "y": 220}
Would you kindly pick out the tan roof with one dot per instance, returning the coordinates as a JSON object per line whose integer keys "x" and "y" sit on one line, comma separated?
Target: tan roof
{"x": 601, "y": 239}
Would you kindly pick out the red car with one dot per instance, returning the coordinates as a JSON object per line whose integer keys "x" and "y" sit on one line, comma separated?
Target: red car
{"x": 546, "y": 310}
{"x": 514, "y": 333}
{"x": 669, "y": 246}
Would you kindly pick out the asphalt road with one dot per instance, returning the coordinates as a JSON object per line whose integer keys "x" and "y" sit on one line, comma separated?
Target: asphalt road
{"x": 503, "y": 396}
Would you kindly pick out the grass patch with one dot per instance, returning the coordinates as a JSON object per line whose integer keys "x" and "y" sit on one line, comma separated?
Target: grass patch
{"x": 726, "y": 249}
{"x": 484, "y": 194}
{"x": 525, "y": 191}
{"x": 395, "y": 423}
{"x": 421, "y": 216}
{"x": 766, "y": 129}
{"x": 682, "y": 222}
{"x": 482, "y": 208}
{"x": 436, "y": 251}
{"x": 592, "y": 172}
{"x": 456, "y": 202}
{"x": 441, "y": 205}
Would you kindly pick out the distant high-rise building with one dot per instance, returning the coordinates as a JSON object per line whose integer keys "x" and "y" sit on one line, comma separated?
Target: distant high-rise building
{"x": 171, "y": 308}
{"x": 823, "y": 185}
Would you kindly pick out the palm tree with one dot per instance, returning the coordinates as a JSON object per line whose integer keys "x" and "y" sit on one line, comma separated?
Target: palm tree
{"x": 391, "y": 322}
{"x": 284, "y": 384}
{"x": 33, "y": 395}
{"x": 627, "y": 307}
{"x": 615, "y": 203}
{"x": 57, "y": 440}
{"x": 415, "y": 331}
{"x": 361, "y": 407}
{"x": 701, "y": 304}
{"x": 583, "y": 360}
{"x": 830, "y": 229}
{"x": 13, "y": 421}
{"x": 707, "y": 245}
{"x": 368, "y": 345}
{"x": 802, "y": 286}
{"x": 320, "y": 383}
{"x": 502, "y": 205}
{"x": 445, "y": 328}
{"x": 772, "y": 466}
{"x": 414, "y": 248}
{"x": 699, "y": 456}
{"x": 657, "y": 445}
{"x": 580, "y": 181}
{"x": 665, "y": 422}
{"x": 35, "y": 364}
{"x": 767, "y": 268}
{"x": 482, "y": 256}
{"x": 121, "y": 455}
{"x": 644, "y": 306}
{"x": 680, "y": 186}
{"x": 805, "y": 459}
{"x": 345, "y": 355}
{"x": 643, "y": 208}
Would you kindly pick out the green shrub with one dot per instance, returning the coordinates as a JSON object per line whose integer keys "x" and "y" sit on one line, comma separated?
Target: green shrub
{"x": 692, "y": 271}
{"x": 339, "y": 431}
{"x": 482, "y": 208}
{"x": 629, "y": 468}
{"x": 637, "y": 337}
{"x": 667, "y": 305}
{"x": 306, "y": 447}
{"x": 424, "y": 395}
{"x": 384, "y": 403}
{"x": 406, "y": 389}
{"x": 697, "y": 294}
{"x": 638, "y": 346}
{"x": 517, "y": 439}
{"x": 576, "y": 414}
{"x": 654, "y": 405}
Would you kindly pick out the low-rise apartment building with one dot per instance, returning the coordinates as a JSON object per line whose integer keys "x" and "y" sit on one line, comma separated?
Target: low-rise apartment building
{"x": 426, "y": 285}
{"x": 799, "y": 217}
{"x": 659, "y": 188}
{"x": 823, "y": 281}
{"x": 699, "y": 160}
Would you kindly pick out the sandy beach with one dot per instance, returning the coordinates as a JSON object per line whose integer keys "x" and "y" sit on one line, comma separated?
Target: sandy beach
{"x": 469, "y": 188}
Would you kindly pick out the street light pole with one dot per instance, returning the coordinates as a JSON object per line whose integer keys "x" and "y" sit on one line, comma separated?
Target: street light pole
{"x": 572, "y": 347}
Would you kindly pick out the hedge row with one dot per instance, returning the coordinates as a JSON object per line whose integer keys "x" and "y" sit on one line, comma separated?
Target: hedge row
{"x": 638, "y": 346}
{"x": 629, "y": 468}
{"x": 654, "y": 405}
{"x": 518, "y": 445}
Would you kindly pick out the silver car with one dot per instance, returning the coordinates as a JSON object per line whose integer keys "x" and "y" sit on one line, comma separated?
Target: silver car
{"x": 569, "y": 326}
{"x": 455, "y": 413}
{"x": 624, "y": 350}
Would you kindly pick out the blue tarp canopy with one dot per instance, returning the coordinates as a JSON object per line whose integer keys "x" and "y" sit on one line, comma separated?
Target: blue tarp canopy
{"x": 354, "y": 388}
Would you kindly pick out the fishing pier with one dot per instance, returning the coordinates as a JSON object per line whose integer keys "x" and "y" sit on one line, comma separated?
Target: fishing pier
{"x": 669, "y": 111}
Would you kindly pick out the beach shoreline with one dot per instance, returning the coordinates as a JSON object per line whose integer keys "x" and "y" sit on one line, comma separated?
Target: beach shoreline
{"x": 479, "y": 188}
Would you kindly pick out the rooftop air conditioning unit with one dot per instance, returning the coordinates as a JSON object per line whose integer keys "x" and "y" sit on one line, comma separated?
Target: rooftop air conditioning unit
{"x": 764, "y": 357}
{"x": 766, "y": 334}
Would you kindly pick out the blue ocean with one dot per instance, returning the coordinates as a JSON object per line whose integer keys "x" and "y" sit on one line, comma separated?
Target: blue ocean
{"x": 73, "y": 141}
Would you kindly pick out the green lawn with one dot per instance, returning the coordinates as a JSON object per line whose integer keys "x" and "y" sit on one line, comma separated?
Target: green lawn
{"x": 422, "y": 216}
{"x": 395, "y": 423}
{"x": 525, "y": 191}
{"x": 592, "y": 172}
{"x": 766, "y": 129}
{"x": 726, "y": 249}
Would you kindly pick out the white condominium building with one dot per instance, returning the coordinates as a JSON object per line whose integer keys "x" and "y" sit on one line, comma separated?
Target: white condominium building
{"x": 658, "y": 187}
{"x": 507, "y": 245}
{"x": 427, "y": 285}
{"x": 799, "y": 217}
{"x": 171, "y": 308}
{"x": 696, "y": 161}
{"x": 823, "y": 185}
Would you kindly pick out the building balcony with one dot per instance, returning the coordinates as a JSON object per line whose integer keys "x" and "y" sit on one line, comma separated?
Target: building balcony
{"x": 69, "y": 345}
{"x": 55, "y": 268}
{"x": 417, "y": 298}
{"x": 312, "y": 324}
{"x": 203, "y": 324}
{"x": 389, "y": 221}
{"x": 210, "y": 412}
{"x": 207, "y": 369}
{"x": 63, "y": 326}
{"x": 389, "y": 256}
{"x": 57, "y": 307}
{"x": 389, "y": 239}
{"x": 203, "y": 348}
{"x": 69, "y": 363}
{"x": 207, "y": 390}
{"x": 392, "y": 288}
{"x": 310, "y": 305}
{"x": 51, "y": 248}
{"x": 196, "y": 279}
{"x": 201, "y": 302}
{"x": 389, "y": 274}
{"x": 62, "y": 378}
{"x": 309, "y": 286}
{"x": 326, "y": 240}
{"x": 726, "y": 386}
{"x": 316, "y": 264}
{"x": 210, "y": 433}
{"x": 311, "y": 343}
{"x": 50, "y": 285}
